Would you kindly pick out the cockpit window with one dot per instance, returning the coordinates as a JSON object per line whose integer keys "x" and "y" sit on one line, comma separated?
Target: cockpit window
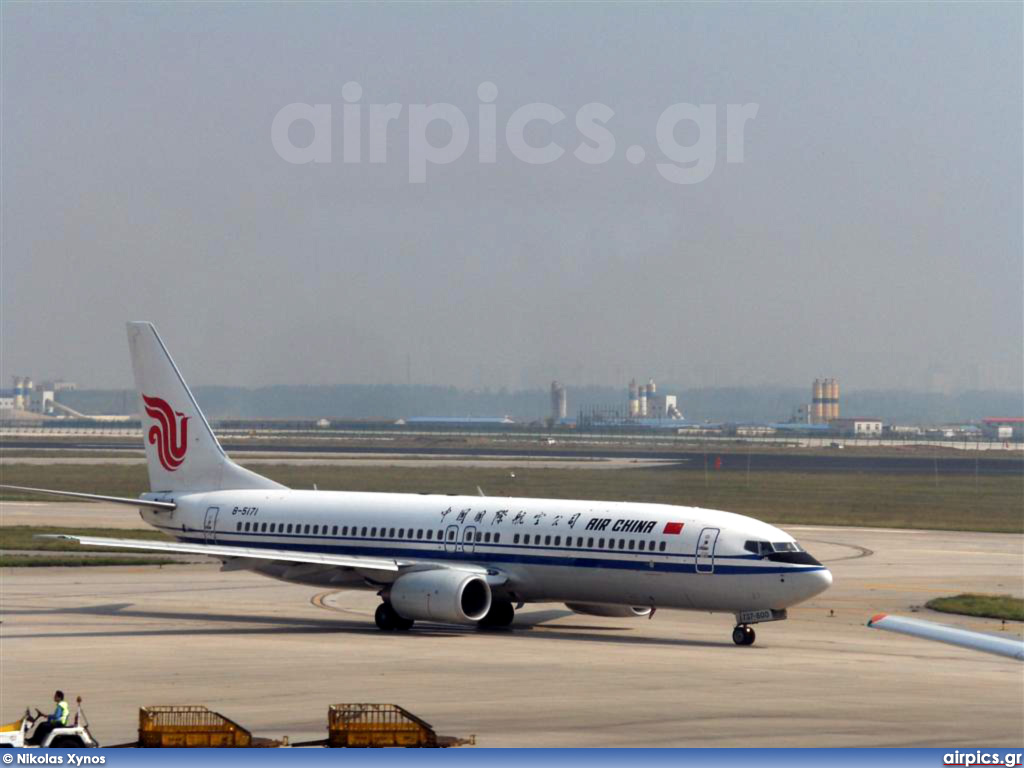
{"x": 780, "y": 552}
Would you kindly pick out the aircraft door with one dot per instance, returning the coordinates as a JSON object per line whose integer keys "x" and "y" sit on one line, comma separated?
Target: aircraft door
{"x": 705, "y": 559}
{"x": 451, "y": 538}
{"x": 210, "y": 525}
{"x": 469, "y": 538}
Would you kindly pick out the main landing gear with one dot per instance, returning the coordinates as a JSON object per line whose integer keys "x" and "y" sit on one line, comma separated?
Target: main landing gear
{"x": 388, "y": 619}
{"x": 743, "y": 635}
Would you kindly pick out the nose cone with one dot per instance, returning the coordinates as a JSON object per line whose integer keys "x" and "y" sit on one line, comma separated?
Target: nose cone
{"x": 818, "y": 582}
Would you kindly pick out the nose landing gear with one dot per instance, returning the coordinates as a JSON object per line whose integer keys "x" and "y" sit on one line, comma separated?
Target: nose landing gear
{"x": 743, "y": 635}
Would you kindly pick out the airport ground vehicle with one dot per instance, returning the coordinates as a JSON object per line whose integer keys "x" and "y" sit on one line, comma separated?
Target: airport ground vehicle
{"x": 348, "y": 725}
{"x": 380, "y": 725}
{"x": 193, "y": 726}
{"x": 22, "y": 733}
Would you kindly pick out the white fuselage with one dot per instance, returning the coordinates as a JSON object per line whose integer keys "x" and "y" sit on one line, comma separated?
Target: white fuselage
{"x": 534, "y": 549}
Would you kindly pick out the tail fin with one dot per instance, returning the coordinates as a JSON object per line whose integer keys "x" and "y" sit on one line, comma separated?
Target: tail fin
{"x": 181, "y": 451}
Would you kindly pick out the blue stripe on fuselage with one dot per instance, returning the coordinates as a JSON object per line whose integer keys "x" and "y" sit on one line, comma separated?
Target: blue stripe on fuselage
{"x": 490, "y": 558}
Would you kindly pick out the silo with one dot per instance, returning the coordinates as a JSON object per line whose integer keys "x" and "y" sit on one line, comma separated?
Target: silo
{"x": 634, "y": 402}
{"x": 818, "y": 402}
{"x": 835, "y": 398}
{"x": 555, "y": 387}
{"x": 563, "y": 403}
{"x": 651, "y": 388}
{"x": 19, "y": 393}
{"x": 643, "y": 401}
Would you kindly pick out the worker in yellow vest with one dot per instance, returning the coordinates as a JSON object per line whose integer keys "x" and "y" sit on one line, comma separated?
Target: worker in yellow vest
{"x": 59, "y": 718}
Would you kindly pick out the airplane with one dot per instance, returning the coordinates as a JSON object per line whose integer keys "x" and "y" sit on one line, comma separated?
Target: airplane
{"x": 463, "y": 560}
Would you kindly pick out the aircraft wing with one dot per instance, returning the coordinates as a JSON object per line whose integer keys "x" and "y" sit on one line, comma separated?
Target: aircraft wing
{"x": 377, "y": 568}
{"x": 929, "y": 630}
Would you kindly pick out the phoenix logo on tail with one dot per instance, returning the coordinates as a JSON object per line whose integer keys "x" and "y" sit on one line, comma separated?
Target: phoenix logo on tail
{"x": 170, "y": 445}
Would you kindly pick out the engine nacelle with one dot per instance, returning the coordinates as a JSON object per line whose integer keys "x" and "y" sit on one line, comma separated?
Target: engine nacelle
{"x": 613, "y": 611}
{"x": 450, "y": 596}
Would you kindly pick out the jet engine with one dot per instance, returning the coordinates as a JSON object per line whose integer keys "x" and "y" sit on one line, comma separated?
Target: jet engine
{"x": 450, "y": 596}
{"x": 613, "y": 611}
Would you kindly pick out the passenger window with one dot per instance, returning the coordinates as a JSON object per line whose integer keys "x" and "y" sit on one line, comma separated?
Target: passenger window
{"x": 497, "y": 538}
{"x": 430, "y": 535}
{"x": 661, "y": 547}
{"x": 289, "y": 527}
{"x": 547, "y": 540}
{"x": 515, "y": 539}
{"x": 247, "y": 526}
{"x": 479, "y": 537}
{"x": 622, "y": 543}
{"x": 419, "y": 533}
{"x": 600, "y": 543}
{"x": 590, "y": 543}
{"x": 364, "y": 530}
{"x": 401, "y": 533}
{"x": 373, "y": 532}
{"x": 579, "y": 542}
{"x": 558, "y": 541}
{"x": 526, "y": 539}
{"x": 487, "y": 538}
{"x": 316, "y": 529}
{"x": 451, "y": 535}
{"x": 440, "y": 535}
{"x": 334, "y": 531}
{"x": 238, "y": 525}
{"x": 632, "y": 544}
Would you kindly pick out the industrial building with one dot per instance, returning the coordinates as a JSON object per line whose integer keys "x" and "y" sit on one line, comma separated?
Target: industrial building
{"x": 857, "y": 427}
{"x": 559, "y": 403}
{"x": 824, "y": 401}
{"x": 1003, "y": 429}
{"x": 646, "y": 403}
{"x": 28, "y": 402}
{"x": 26, "y": 399}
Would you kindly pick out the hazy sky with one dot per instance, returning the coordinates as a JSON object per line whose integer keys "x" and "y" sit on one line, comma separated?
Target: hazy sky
{"x": 873, "y": 231}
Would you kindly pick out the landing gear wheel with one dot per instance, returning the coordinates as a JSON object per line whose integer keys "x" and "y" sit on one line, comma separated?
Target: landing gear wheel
{"x": 66, "y": 742}
{"x": 385, "y": 617}
{"x": 743, "y": 635}
{"x": 501, "y": 615}
{"x": 388, "y": 620}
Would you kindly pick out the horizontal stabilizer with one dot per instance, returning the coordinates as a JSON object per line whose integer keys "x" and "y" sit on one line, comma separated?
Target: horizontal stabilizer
{"x": 163, "y": 505}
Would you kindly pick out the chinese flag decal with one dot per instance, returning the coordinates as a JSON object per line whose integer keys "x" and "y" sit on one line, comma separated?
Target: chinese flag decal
{"x": 673, "y": 528}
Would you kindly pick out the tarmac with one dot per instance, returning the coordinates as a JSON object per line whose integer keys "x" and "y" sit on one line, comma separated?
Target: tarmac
{"x": 273, "y": 656}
